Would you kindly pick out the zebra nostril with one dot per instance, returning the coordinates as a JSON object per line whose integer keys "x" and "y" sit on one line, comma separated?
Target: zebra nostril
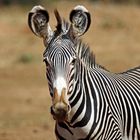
{"x": 61, "y": 112}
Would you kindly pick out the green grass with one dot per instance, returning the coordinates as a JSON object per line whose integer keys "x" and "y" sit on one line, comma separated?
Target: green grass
{"x": 26, "y": 58}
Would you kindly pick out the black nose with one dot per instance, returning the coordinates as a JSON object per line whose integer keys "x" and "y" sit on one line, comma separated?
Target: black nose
{"x": 59, "y": 114}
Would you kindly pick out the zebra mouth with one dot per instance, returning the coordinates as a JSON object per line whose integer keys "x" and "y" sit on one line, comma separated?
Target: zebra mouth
{"x": 59, "y": 115}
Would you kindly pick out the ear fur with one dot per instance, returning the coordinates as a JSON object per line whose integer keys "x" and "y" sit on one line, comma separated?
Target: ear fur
{"x": 80, "y": 19}
{"x": 38, "y": 19}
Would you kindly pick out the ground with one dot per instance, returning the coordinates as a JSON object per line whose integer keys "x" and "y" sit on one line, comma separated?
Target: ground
{"x": 114, "y": 37}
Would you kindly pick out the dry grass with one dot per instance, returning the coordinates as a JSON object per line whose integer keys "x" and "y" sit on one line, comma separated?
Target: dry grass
{"x": 114, "y": 36}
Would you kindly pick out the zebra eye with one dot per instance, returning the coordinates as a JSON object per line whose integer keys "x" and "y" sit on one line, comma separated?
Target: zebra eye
{"x": 73, "y": 61}
{"x": 46, "y": 62}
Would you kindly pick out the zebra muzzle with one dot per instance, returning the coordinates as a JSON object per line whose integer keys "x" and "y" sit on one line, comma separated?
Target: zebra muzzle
{"x": 60, "y": 107}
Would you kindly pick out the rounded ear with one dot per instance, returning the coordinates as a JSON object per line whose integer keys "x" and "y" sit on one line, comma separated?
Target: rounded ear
{"x": 38, "y": 19}
{"x": 80, "y": 19}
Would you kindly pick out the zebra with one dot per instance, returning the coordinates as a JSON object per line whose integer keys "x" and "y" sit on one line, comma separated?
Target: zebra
{"x": 88, "y": 101}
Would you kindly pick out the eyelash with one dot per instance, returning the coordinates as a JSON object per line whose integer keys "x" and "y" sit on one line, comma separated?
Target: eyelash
{"x": 46, "y": 62}
{"x": 73, "y": 61}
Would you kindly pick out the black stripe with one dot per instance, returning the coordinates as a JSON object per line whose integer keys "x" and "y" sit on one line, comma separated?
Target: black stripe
{"x": 58, "y": 135}
{"x": 63, "y": 125}
{"x": 79, "y": 111}
{"x": 87, "y": 115}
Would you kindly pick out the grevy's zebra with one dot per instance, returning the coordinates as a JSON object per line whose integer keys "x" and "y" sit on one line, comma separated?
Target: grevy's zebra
{"x": 88, "y": 102}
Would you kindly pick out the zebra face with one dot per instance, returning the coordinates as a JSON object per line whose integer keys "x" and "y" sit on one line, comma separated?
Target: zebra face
{"x": 60, "y": 54}
{"x": 60, "y": 60}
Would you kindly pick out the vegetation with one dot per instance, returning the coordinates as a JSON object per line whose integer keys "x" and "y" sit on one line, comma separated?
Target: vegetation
{"x": 119, "y": 1}
{"x": 26, "y": 58}
{"x": 23, "y": 2}
{"x": 8, "y": 2}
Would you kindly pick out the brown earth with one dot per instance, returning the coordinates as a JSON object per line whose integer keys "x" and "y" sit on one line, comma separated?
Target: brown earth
{"x": 114, "y": 36}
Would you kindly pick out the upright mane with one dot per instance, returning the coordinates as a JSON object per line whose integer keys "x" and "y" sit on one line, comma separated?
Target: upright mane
{"x": 85, "y": 54}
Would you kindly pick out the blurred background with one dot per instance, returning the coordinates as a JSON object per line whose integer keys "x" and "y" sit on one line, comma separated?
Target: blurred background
{"x": 114, "y": 37}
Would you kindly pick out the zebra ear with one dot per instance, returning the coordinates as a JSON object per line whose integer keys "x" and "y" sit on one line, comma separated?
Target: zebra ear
{"x": 38, "y": 19}
{"x": 80, "y": 19}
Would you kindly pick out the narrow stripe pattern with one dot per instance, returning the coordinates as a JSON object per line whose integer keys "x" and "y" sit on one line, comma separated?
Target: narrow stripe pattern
{"x": 104, "y": 105}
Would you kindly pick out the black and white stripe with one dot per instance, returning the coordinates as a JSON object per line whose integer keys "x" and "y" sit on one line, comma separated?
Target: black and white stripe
{"x": 104, "y": 105}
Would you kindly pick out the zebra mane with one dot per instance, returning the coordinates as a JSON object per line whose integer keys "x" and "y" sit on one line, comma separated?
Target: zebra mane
{"x": 85, "y": 54}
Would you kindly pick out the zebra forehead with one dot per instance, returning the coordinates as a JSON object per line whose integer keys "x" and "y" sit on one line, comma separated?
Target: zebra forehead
{"x": 60, "y": 46}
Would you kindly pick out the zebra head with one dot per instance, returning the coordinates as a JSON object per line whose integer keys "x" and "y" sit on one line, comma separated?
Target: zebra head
{"x": 60, "y": 54}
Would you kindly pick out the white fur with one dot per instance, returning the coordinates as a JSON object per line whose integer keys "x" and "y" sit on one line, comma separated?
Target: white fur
{"x": 36, "y": 8}
{"x": 59, "y": 84}
{"x": 81, "y": 7}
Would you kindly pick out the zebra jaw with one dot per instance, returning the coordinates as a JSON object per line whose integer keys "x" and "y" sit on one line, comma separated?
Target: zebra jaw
{"x": 60, "y": 108}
